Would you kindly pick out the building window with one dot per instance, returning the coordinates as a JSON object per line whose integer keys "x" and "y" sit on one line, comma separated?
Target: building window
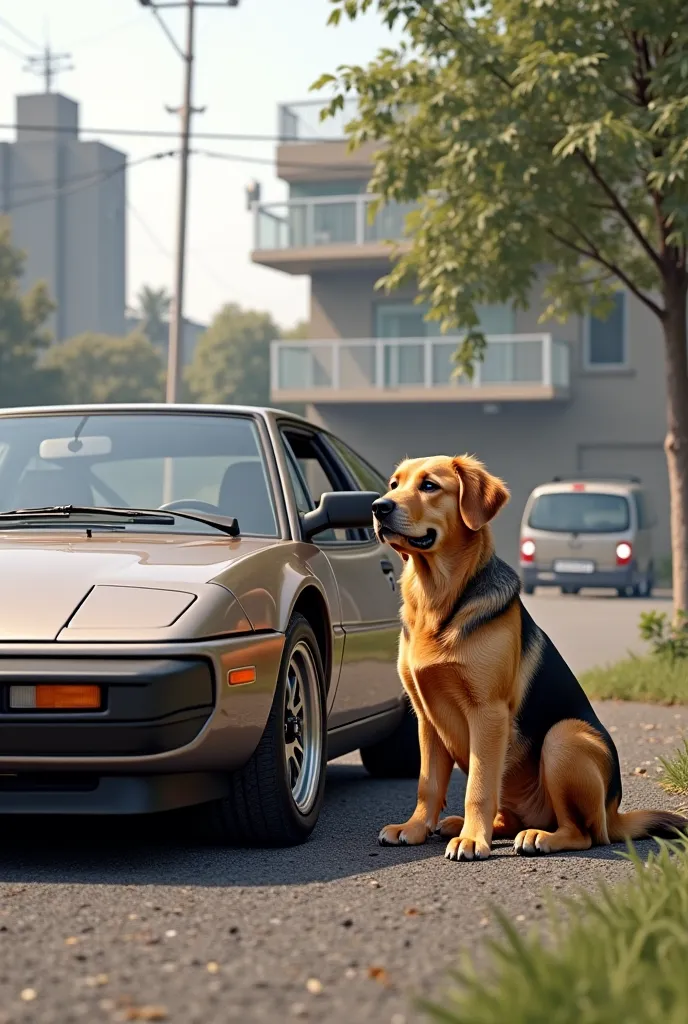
{"x": 407, "y": 320}
{"x": 605, "y": 343}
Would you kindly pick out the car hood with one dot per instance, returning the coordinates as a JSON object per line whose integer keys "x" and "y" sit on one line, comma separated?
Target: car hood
{"x": 44, "y": 578}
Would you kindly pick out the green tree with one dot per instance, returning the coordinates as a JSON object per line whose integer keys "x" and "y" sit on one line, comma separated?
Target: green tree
{"x": 103, "y": 368}
{"x": 23, "y": 336}
{"x": 539, "y": 133}
{"x": 153, "y": 308}
{"x": 231, "y": 363}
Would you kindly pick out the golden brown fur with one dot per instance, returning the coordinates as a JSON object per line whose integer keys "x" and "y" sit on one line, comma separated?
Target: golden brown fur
{"x": 466, "y": 671}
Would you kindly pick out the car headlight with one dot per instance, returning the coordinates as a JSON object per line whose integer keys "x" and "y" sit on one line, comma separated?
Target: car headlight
{"x": 130, "y": 608}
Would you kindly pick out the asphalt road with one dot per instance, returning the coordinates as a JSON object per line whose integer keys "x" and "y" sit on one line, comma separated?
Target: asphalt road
{"x": 138, "y": 922}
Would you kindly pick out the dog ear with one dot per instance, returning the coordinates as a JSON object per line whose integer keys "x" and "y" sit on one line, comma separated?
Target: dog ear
{"x": 481, "y": 495}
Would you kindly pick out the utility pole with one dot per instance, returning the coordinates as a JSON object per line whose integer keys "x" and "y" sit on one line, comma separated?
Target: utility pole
{"x": 176, "y": 333}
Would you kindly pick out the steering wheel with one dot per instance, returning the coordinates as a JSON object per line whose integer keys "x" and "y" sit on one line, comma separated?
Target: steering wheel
{"x": 192, "y": 505}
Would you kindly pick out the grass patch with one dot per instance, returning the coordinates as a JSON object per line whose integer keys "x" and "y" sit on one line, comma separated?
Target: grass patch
{"x": 618, "y": 955}
{"x": 653, "y": 679}
{"x": 675, "y": 777}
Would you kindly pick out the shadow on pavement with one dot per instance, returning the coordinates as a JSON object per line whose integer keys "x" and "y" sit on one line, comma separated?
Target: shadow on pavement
{"x": 161, "y": 849}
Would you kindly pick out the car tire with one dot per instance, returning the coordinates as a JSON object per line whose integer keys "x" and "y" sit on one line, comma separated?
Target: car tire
{"x": 528, "y": 589}
{"x": 570, "y": 590}
{"x": 398, "y": 755}
{"x": 274, "y": 800}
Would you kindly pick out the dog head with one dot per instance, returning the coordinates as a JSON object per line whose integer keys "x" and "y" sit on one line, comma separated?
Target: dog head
{"x": 437, "y": 502}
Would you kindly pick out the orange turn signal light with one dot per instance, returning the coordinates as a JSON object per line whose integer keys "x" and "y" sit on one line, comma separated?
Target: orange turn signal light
{"x": 241, "y": 676}
{"x": 55, "y": 698}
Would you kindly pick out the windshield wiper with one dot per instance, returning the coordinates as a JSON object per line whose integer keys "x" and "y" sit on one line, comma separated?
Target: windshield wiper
{"x": 65, "y": 511}
{"x": 147, "y": 517}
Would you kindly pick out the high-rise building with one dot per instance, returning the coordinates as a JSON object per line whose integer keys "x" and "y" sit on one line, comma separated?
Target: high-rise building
{"x": 66, "y": 199}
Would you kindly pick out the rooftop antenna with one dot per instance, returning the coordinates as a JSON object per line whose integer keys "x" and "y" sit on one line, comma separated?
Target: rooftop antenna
{"x": 48, "y": 65}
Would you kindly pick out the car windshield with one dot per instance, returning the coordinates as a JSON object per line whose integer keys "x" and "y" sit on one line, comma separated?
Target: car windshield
{"x": 588, "y": 512}
{"x": 214, "y": 462}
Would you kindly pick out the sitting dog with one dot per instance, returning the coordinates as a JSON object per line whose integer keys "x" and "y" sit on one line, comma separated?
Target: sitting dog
{"x": 491, "y": 692}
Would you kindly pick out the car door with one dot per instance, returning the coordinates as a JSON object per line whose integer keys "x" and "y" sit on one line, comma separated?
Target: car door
{"x": 366, "y": 576}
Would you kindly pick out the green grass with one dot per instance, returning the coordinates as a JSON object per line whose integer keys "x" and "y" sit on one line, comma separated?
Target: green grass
{"x": 675, "y": 777}
{"x": 618, "y": 955}
{"x": 653, "y": 679}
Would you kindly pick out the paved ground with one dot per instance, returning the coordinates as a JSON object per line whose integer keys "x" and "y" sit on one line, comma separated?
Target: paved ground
{"x": 123, "y": 923}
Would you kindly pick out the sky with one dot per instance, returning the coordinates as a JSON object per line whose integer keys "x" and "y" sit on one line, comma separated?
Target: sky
{"x": 125, "y": 72}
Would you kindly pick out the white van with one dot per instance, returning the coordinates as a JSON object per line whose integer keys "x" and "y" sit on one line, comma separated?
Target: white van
{"x": 588, "y": 532}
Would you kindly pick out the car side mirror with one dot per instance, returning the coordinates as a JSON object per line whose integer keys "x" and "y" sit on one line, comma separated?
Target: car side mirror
{"x": 340, "y": 510}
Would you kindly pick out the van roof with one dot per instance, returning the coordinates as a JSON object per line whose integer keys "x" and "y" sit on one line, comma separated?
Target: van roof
{"x": 600, "y": 485}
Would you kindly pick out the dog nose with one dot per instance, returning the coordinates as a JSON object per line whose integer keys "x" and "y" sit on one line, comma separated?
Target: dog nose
{"x": 383, "y": 507}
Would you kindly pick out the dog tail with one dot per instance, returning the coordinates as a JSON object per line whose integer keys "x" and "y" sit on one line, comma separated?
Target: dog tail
{"x": 644, "y": 824}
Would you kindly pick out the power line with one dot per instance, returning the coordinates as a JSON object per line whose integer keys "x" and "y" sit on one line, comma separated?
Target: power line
{"x": 18, "y": 35}
{"x": 11, "y": 49}
{"x": 161, "y": 133}
{"x": 159, "y": 245}
{"x": 239, "y": 158}
{"x": 97, "y": 178}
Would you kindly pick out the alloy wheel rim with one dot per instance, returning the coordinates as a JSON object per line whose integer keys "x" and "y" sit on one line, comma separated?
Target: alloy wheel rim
{"x": 302, "y": 728}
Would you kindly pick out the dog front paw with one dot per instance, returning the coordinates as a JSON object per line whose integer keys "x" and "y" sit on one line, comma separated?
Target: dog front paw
{"x": 411, "y": 833}
{"x": 467, "y": 849}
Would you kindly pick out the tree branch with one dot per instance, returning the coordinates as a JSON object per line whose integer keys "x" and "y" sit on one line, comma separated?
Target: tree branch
{"x": 594, "y": 254}
{"x": 433, "y": 13}
{"x": 621, "y": 210}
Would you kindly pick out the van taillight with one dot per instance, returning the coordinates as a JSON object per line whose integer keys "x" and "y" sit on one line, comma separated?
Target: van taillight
{"x": 527, "y": 550}
{"x": 624, "y": 553}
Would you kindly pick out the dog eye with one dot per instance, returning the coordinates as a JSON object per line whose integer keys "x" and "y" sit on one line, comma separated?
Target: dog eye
{"x": 393, "y": 485}
{"x": 429, "y": 485}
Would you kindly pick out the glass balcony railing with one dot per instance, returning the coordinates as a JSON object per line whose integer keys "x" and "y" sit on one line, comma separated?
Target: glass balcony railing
{"x": 330, "y": 220}
{"x": 300, "y": 122}
{"x": 324, "y": 368}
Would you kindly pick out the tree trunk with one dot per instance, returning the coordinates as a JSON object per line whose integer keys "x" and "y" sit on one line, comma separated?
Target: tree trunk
{"x": 676, "y": 442}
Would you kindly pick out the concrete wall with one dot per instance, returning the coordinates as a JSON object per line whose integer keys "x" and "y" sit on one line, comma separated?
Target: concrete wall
{"x": 613, "y": 422}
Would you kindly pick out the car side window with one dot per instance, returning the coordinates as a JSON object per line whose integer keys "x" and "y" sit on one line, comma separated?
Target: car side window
{"x": 365, "y": 477}
{"x": 317, "y": 473}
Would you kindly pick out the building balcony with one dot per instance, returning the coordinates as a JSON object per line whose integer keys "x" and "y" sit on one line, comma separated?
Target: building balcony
{"x": 516, "y": 368}
{"x": 326, "y": 232}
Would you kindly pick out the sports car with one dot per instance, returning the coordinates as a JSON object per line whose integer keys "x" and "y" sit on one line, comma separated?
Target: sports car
{"x": 194, "y": 611}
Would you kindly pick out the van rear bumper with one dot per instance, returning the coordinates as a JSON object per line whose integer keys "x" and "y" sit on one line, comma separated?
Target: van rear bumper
{"x": 615, "y": 579}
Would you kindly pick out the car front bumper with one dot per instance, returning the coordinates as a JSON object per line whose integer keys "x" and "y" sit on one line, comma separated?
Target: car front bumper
{"x": 169, "y": 731}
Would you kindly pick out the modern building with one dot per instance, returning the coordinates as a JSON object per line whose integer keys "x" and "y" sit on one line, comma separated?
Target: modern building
{"x": 583, "y": 397}
{"x": 66, "y": 199}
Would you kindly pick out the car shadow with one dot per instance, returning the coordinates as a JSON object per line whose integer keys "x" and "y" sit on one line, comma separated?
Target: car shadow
{"x": 162, "y": 849}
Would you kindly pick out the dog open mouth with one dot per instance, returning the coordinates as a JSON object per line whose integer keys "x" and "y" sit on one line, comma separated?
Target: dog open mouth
{"x": 422, "y": 543}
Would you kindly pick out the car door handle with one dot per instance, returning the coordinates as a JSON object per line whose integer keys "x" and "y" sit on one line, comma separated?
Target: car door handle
{"x": 388, "y": 570}
{"x": 386, "y": 566}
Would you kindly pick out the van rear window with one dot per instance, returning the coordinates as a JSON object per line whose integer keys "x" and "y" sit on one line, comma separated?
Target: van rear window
{"x": 588, "y": 512}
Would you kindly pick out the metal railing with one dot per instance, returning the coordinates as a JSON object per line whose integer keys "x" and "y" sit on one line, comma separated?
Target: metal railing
{"x": 379, "y": 364}
{"x": 327, "y": 220}
{"x": 300, "y": 122}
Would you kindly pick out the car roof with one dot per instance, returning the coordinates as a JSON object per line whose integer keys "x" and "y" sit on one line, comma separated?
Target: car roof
{"x": 262, "y": 412}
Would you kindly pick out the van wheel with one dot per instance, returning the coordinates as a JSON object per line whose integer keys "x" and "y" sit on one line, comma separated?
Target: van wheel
{"x": 528, "y": 589}
{"x": 628, "y": 591}
{"x": 570, "y": 590}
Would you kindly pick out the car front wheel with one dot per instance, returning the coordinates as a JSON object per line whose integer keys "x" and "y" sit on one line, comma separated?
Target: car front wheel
{"x": 275, "y": 799}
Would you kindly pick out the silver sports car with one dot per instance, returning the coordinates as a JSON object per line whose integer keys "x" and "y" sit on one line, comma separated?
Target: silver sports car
{"x": 193, "y": 611}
